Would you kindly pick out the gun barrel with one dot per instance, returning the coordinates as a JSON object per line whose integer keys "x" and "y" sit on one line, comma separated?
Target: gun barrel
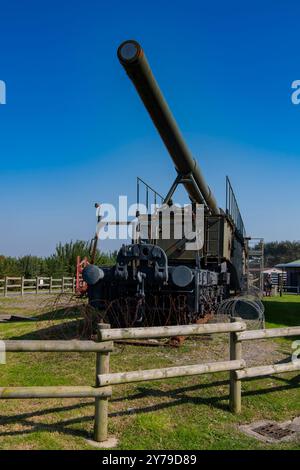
{"x": 133, "y": 59}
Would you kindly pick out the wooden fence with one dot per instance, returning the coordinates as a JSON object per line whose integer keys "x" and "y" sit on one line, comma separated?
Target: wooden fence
{"x": 14, "y": 286}
{"x": 102, "y": 390}
{"x": 291, "y": 289}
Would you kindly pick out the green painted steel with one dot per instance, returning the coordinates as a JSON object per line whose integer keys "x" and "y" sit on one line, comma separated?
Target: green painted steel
{"x": 134, "y": 61}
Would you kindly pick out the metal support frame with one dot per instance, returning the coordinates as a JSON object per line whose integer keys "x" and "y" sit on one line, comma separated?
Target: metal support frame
{"x": 255, "y": 263}
{"x": 182, "y": 179}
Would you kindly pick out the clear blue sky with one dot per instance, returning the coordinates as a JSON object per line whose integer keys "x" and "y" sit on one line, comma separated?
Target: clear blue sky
{"x": 73, "y": 130}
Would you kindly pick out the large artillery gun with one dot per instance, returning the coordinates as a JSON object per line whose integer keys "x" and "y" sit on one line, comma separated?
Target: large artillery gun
{"x": 160, "y": 280}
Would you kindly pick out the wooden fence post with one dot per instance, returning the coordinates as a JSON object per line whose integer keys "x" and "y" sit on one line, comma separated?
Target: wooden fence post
{"x": 37, "y": 280}
{"x": 235, "y": 393}
{"x": 5, "y": 286}
{"x": 50, "y": 284}
{"x": 101, "y": 404}
{"x": 63, "y": 285}
{"x": 22, "y": 285}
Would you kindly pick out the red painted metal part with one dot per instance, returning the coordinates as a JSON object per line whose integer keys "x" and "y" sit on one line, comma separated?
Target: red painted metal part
{"x": 81, "y": 286}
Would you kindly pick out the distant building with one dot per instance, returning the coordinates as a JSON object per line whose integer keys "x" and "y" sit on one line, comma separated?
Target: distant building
{"x": 276, "y": 275}
{"x": 293, "y": 275}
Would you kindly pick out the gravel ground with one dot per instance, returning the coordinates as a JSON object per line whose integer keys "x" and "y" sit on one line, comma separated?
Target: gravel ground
{"x": 199, "y": 349}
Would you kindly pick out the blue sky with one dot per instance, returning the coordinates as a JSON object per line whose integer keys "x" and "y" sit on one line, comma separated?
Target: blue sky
{"x": 73, "y": 130}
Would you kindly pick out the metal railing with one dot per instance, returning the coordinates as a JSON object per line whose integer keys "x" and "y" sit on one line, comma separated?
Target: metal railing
{"x": 232, "y": 209}
{"x": 150, "y": 195}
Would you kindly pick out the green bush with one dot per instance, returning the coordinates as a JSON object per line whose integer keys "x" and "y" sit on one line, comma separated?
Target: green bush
{"x": 61, "y": 263}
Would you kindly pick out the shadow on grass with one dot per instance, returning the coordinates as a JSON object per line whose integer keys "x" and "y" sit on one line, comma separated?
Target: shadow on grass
{"x": 214, "y": 401}
{"x": 178, "y": 397}
{"x": 60, "y": 314}
{"x": 74, "y": 322}
{"x": 73, "y": 329}
{"x": 283, "y": 312}
{"x": 63, "y": 331}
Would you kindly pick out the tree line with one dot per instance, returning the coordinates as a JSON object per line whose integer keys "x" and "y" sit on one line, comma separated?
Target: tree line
{"x": 281, "y": 252}
{"x": 61, "y": 263}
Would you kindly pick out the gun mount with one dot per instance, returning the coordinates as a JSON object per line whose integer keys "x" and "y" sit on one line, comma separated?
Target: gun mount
{"x": 166, "y": 283}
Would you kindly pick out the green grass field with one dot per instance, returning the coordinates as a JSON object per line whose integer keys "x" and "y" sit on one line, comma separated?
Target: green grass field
{"x": 282, "y": 311}
{"x": 182, "y": 413}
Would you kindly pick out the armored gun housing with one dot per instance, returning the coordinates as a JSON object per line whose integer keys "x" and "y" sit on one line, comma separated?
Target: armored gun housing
{"x": 158, "y": 280}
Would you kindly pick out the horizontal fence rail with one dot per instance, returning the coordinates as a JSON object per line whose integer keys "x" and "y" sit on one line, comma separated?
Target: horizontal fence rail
{"x": 54, "y": 392}
{"x": 168, "y": 372}
{"x": 13, "y": 286}
{"x": 105, "y": 379}
{"x": 268, "y": 333}
{"x": 262, "y": 371}
{"x": 169, "y": 331}
{"x": 56, "y": 346}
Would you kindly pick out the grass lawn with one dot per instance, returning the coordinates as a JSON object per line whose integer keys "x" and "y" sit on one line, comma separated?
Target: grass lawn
{"x": 181, "y": 413}
{"x": 282, "y": 311}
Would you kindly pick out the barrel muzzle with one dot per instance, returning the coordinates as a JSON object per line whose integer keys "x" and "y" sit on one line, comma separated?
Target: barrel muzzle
{"x": 129, "y": 51}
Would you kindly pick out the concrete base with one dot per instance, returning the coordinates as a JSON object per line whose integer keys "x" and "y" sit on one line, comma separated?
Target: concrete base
{"x": 110, "y": 443}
